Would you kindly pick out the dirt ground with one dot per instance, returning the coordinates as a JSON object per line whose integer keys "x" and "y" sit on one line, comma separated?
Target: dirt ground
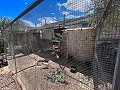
{"x": 7, "y": 81}
{"x": 31, "y": 71}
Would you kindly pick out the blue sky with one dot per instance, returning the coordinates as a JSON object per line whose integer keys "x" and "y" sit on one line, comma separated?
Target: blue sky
{"x": 49, "y": 11}
{"x": 12, "y": 8}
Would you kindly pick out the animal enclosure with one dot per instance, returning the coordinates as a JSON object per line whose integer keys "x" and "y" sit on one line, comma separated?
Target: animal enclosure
{"x": 80, "y": 38}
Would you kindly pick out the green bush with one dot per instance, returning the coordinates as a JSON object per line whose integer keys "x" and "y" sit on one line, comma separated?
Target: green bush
{"x": 56, "y": 76}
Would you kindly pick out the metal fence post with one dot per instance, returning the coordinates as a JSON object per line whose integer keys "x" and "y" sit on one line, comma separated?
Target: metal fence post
{"x": 12, "y": 47}
{"x": 116, "y": 78}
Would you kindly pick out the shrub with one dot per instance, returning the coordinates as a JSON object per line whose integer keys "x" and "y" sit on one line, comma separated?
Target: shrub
{"x": 56, "y": 76}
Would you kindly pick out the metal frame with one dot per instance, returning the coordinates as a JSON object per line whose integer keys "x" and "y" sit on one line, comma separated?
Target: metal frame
{"x": 116, "y": 78}
{"x": 26, "y": 11}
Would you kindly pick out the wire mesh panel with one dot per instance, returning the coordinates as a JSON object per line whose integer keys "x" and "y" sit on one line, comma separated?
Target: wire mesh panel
{"x": 65, "y": 44}
{"x": 107, "y": 45}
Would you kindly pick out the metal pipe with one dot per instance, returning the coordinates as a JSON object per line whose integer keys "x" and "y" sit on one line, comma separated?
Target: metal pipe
{"x": 116, "y": 78}
{"x": 37, "y": 2}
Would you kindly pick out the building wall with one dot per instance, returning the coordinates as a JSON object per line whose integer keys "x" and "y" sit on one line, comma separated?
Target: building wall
{"x": 79, "y": 43}
{"x": 47, "y": 34}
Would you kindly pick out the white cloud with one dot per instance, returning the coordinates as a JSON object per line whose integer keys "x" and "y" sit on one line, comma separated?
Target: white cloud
{"x": 71, "y": 16}
{"x": 59, "y": 5}
{"x": 65, "y": 13}
{"x": 47, "y": 20}
{"x": 43, "y": 21}
{"x": 77, "y": 5}
{"x": 28, "y": 23}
